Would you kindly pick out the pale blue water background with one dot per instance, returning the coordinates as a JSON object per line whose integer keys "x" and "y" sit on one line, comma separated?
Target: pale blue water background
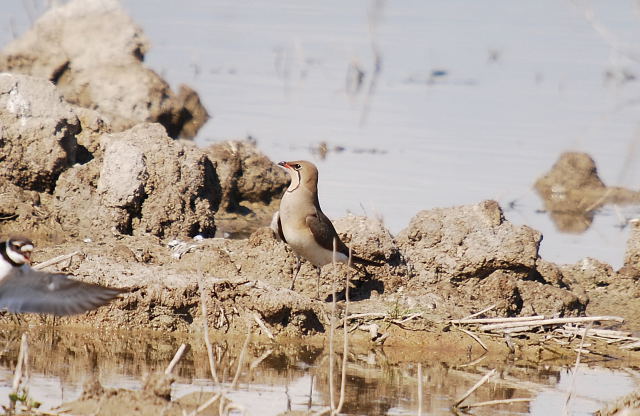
{"x": 524, "y": 82}
{"x": 277, "y": 70}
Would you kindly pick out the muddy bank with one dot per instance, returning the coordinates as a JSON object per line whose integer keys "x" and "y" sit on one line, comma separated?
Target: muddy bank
{"x": 134, "y": 182}
{"x": 434, "y": 280}
{"x": 93, "y": 52}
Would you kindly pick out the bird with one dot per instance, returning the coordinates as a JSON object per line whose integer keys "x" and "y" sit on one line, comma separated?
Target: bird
{"x": 15, "y": 253}
{"x": 301, "y": 223}
{"x": 25, "y": 290}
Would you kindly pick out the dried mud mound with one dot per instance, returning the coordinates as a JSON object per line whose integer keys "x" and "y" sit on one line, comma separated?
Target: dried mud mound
{"x": 251, "y": 186}
{"x": 145, "y": 182}
{"x": 247, "y": 175}
{"x": 248, "y": 281}
{"x": 64, "y": 173}
{"x": 470, "y": 256}
{"x": 38, "y": 135}
{"x": 612, "y": 292}
{"x": 572, "y": 191}
{"x": 94, "y": 53}
{"x": 164, "y": 292}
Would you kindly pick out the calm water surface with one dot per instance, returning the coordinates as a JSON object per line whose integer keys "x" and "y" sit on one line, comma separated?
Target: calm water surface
{"x": 473, "y": 100}
{"x": 280, "y": 377}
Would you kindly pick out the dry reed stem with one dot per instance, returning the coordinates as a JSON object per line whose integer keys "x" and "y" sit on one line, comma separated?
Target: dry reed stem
{"x": 553, "y": 321}
{"x": 255, "y": 363}
{"x": 175, "y": 359}
{"x": 263, "y": 326}
{"x": 55, "y": 260}
{"x": 474, "y": 388}
{"x": 474, "y": 362}
{"x": 345, "y": 341}
{"x": 332, "y": 330}
{"x": 408, "y": 318}
{"x": 205, "y": 325}
{"x": 501, "y": 401}
{"x": 21, "y": 365}
{"x": 419, "y": 389}
{"x": 206, "y": 404}
{"x": 475, "y": 337}
{"x": 496, "y": 320}
{"x": 243, "y": 352}
{"x": 473, "y": 315}
{"x": 565, "y": 409}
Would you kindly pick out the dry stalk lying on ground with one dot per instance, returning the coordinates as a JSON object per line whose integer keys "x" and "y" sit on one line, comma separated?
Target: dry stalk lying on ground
{"x": 55, "y": 260}
{"x": 567, "y": 328}
{"x": 366, "y": 322}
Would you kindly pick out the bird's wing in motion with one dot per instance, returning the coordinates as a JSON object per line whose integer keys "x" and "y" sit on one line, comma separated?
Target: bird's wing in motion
{"x": 56, "y": 294}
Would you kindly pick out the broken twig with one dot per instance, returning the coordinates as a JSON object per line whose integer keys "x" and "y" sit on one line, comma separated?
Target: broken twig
{"x": 553, "y": 321}
{"x": 474, "y": 388}
{"x": 55, "y": 260}
{"x": 263, "y": 326}
{"x": 475, "y": 337}
{"x": 175, "y": 359}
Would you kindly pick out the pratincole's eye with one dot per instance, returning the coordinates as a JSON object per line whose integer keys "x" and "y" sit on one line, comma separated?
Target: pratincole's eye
{"x": 297, "y": 166}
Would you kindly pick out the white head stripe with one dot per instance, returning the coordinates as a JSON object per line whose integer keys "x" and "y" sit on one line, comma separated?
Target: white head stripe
{"x": 15, "y": 256}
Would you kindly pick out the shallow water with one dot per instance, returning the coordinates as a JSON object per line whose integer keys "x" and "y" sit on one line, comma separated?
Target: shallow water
{"x": 280, "y": 377}
{"x": 473, "y": 100}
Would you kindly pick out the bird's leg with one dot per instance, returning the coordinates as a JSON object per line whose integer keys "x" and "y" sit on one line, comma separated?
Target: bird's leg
{"x": 318, "y": 270}
{"x": 298, "y": 267}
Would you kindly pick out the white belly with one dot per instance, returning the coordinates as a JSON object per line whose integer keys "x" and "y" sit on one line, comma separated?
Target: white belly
{"x": 6, "y": 268}
{"x": 305, "y": 246}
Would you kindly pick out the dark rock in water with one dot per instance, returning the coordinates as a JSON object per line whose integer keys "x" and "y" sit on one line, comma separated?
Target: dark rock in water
{"x": 572, "y": 191}
{"x": 572, "y": 171}
{"x": 94, "y": 53}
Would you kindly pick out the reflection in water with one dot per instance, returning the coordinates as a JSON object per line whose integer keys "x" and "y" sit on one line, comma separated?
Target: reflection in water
{"x": 277, "y": 378}
{"x": 573, "y": 192}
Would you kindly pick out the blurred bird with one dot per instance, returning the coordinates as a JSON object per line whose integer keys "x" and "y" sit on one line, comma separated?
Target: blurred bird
{"x": 303, "y": 226}
{"x": 23, "y": 289}
{"x": 15, "y": 252}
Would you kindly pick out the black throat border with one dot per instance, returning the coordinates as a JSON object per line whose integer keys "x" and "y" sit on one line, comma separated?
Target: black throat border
{"x": 297, "y": 186}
